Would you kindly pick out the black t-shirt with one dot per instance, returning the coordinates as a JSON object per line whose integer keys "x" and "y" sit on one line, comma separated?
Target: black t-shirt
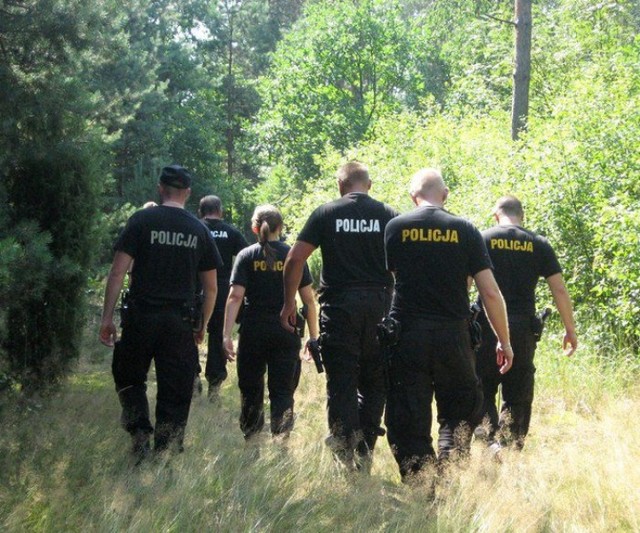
{"x": 520, "y": 257}
{"x": 169, "y": 247}
{"x": 432, "y": 253}
{"x": 350, "y": 234}
{"x": 229, "y": 242}
{"x": 264, "y": 288}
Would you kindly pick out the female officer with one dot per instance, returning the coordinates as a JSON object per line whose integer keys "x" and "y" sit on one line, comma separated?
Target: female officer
{"x": 264, "y": 345}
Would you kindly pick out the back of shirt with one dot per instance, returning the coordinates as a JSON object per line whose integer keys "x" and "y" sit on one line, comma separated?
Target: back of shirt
{"x": 169, "y": 247}
{"x": 432, "y": 253}
{"x": 264, "y": 287}
{"x": 520, "y": 257}
{"x": 350, "y": 234}
{"x": 229, "y": 242}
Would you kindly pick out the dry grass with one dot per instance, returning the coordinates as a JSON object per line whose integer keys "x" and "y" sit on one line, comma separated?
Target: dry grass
{"x": 64, "y": 466}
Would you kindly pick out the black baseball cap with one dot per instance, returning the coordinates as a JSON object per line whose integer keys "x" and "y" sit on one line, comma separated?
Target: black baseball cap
{"x": 175, "y": 176}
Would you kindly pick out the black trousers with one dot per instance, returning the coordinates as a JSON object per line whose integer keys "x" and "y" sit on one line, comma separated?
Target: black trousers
{"x": 356, "y": 390}
{"x": 431, "y": 359}
{"x": 216, "y": 368}
{"x": 266, "y": 347}
{"x": 517, "y": 384}
{"x": 164, "y": 335}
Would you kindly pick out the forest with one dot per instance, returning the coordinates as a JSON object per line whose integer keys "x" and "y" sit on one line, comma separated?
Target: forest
{"x": 262, "y": 100}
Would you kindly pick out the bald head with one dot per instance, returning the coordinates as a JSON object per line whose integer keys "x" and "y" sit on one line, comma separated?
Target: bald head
{"x": 428, "y": 186}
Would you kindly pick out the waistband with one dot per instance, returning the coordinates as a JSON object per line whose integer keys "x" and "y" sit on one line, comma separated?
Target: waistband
{"x": 513, "y": 319}
{"x": 160, "y": 306}
{"x": 432, "y": 324}
{"x": 334, "y": 291}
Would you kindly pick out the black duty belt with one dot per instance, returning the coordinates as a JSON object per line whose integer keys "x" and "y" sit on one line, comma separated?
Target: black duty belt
{"x": 432, "y": 324}
{"x": 161, "y": 306}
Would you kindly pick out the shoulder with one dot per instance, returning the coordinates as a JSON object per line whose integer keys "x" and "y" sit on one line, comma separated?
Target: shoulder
{"x": 492, "y": 232}
{"x": 282, "y": 247}
{"x": 232, "y": 228}
{"x": 143, "y": 215}
{"x": 227, "y": 226}
{"x": 176, "y": 213}
{"x": 328, "y": 208}
{"x": 400, "y": 221}
{"x": 386, "y": 208}
{"x": 464, "y": 225}
{"x": 461, "y": 221}
{"x": 247, "y": 254}
{"x": 542, "y": 240}
{"x": 404, "y": 218}
{"x": 249, "y": 250}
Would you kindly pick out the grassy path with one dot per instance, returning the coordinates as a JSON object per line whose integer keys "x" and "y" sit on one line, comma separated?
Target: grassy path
{"x": 64, "y": 466}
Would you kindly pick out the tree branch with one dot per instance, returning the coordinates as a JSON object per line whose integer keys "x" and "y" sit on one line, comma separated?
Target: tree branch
{"x": 491, "y": 17}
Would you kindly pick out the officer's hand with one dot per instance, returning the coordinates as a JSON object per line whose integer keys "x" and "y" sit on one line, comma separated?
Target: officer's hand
{"x": 504, "y": 356}
{"x": 198, "y": 336}
{"x": 288, "y": 316}
{"x": 570, "y": 343}
{"x": 229, "y": 351}
{"x": 306, "y": 354}
{"x": 108, "y": 334}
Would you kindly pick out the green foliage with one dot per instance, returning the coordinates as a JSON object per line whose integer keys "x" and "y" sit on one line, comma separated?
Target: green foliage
{"x": 57, "y": 186}
{"x": 50, "y": 163}
{"x": 340, "y": 68}
{"x": 263, "y": 100}
{"x": 577, "y": 169}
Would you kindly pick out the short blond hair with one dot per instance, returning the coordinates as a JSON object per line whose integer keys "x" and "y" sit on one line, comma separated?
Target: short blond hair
{"x": 510, "y": 206}
{"x": 353, "y": 173}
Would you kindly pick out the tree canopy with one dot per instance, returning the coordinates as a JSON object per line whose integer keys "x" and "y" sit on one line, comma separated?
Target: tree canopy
{"x": 263, "y": 99}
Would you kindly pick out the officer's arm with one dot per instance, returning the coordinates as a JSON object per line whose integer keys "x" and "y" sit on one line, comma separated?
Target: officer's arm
{"x": 496, "y": 311}
{"x": 306, "y": 293}
{"x": 293, "y": 268}
{"x": 565, "y": 308}
{"x": 232, "y": 307}
{"x": 209, "y": 281}
{"x": 119, "y": 268}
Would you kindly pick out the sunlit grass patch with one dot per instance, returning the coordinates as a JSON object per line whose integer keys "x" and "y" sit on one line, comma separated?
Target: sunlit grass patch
{"x": 65, "y": 465}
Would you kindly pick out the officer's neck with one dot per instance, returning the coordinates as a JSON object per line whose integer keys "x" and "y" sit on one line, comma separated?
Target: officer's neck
{"x": 506, "y": 220}
{"x": 423, "y": 202}
{"x": 173, "y": 203}
{"x": 213, "y": 217}
{"x": 360, "y": 188}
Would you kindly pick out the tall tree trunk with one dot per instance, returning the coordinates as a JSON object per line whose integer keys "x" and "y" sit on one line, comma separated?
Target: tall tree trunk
{"x": 230, "y": 144}
{"x": 522, "y": 73}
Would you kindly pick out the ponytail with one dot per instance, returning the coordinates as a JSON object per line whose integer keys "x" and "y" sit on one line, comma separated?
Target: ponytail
{"x": 267, "y": 219}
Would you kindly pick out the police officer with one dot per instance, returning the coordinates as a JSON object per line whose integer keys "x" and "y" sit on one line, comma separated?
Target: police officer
{"x": 229, "y": 242}
{"x": 354, "y": 296}
{"x": 264, "y": 345}
{"x": 171, "y": 248}
{"x": 520, "y": 258}
{"x": 432, "y": 253}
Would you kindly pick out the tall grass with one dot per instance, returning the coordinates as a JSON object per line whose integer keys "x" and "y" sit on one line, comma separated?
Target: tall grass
{"x": 64, "y": 465}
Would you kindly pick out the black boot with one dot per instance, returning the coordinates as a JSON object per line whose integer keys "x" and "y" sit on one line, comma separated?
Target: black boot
{"x": 141, "y": 446}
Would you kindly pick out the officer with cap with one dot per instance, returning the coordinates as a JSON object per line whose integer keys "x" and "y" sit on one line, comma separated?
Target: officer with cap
{"x": 171, "y": 248}
{"x": 432, "y": 253}
{"x": 229, "y": 242}
{"x": 520, "y": 258}
{"x": 354, "y": 296}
